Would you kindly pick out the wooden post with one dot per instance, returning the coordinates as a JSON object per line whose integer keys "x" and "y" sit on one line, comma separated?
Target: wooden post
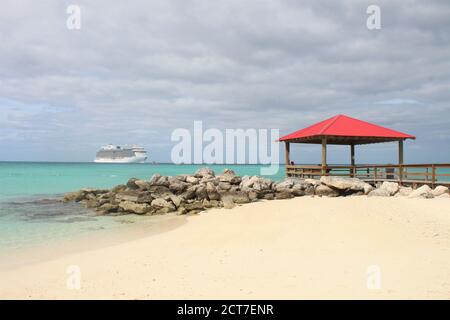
{"x": 433, "y": 176}
{"x": 286, "y": 156}
{"x": 375, "y": 177}
{"x": 324, "y": 156}
{"x": 352, "y": 153}
{"x": 400, "y": 159}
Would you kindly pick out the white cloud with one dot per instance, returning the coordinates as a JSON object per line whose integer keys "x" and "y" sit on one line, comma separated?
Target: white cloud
{"x": 137, "y": 70}
{"x": 398, "y": 101}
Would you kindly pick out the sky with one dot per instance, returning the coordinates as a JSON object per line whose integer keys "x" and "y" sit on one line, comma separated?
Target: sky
{"x": 137, "y": 70}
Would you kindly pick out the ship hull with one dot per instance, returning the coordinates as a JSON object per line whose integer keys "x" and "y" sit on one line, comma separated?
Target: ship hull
{"x": 122, "y": 160}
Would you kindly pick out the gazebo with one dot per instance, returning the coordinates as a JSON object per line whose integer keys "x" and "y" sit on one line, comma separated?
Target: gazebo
{"x": 341, "y": 130}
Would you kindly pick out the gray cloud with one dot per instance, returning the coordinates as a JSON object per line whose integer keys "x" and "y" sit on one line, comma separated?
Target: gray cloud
{"x": 139, "y": 69}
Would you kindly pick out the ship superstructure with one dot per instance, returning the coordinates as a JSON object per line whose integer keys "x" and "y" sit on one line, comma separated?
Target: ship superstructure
{"x": 121, "y": 154}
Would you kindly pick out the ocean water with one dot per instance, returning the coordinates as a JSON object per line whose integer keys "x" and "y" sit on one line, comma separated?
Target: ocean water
{"x": 30, "y": 213}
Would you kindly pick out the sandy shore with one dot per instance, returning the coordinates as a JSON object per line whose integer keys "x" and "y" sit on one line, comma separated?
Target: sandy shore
{"x": 354, "y": 247}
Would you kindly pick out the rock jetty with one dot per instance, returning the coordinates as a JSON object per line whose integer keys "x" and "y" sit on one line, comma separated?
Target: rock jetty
{"x": 190, "y": 194}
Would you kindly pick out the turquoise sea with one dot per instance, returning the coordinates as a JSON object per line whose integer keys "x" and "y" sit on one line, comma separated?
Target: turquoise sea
{"x": 30, "y": 213}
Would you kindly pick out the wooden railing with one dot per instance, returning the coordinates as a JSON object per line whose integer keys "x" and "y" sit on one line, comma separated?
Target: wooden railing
{"x": 407, "y": 174}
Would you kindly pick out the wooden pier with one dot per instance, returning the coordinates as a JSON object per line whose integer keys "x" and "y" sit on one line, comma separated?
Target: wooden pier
{"x": 406, "y": 174}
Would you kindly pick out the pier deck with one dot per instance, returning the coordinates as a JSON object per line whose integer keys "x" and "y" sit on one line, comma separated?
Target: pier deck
{"x": 405, "y": 174}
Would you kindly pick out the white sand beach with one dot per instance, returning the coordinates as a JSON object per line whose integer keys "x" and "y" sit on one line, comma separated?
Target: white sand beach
{"x": 302, "y": 248}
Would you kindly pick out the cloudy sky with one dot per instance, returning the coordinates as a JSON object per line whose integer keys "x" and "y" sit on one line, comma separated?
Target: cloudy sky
{"x": 137, "y": 70}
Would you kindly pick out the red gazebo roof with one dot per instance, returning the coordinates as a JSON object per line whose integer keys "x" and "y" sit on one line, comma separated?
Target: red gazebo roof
{"x": 342, "y": 129}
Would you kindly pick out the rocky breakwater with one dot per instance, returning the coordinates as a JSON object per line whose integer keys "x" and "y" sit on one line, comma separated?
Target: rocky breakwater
{"x": 393, "y": 189}
{"x": 181, "y": 194}
{"x": 190, "y": 194}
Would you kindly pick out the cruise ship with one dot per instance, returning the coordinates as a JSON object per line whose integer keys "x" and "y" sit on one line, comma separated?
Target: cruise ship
{"x": 118, "y": 154}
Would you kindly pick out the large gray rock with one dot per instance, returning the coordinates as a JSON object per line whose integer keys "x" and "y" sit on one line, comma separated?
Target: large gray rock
{"x": 160, "y": 203}
{"x": 236, "y": 196}
{"x": 310, "y": 190}
{"x": 298, "y": 190}
{"x": 132, "y": 207}
{"x": 84, "y": 194}
{"x": 192, "y": 180}
{"x": 229, "y": 171}
{"x": 367, "y": 188}
{"x": 144, "y": 197}
{"x": 195, "y": 205}
{"x": 262, "y": 185}
{"x": 404, "y": 191}
{"x": 228, "y": 202}
{"x": 95, "y": 191}
{"x": 134, "y": 196}
{"x": 269, "y": 196}
{"x": 158, "y": 190}
{"x": 379, "y": 193}
{"x": 256, "y": 186}
{"x": 173, "y": 179}
{"x": 201, "y": 192}
{"x": 211, "y": 189}
{"x": 229, "y": 177}
{"x": 391, "y": 187}
{"x": 108, "y": 208}
{"x": 119, "y": 188}
{"x": 443, "y": 196}
{"x": 130, "y": 195}
{"x": 248, "y": 182}
{"x": 253, "y": 195}
{"x": 142, "y": 184}
{"x": 163, "y": 181}
{"x": 74, "y": 196}
{"x": 285, "y": 194}
{"x": 131, "y": 184}
{"x": 189, "y": 193}
{"x": 204, "y": 172}
{"x": 224, "y": 186}
{"x": 208, "y": 203}
{"x": 88, "y": 196}
{"x": 95, "y": 202}
{"x": 424, "y": 192}
{"x": 346, "y": 184}
{"x": 182, "y": 177}
{"x": 176, "y": 200}
{"x": 284, "y": 185}
{"x": 327, "y": 191}
{"x": 154, "y": 179}
{"x": 158, "y": 180}
{"x": 177, "y": 186}
{"x": 440, "y": 190}
{"x": 206, "y": 179}
{"x": 387, "y": 189}
{"x": 241, "y": 198}
{"x": 181, "y": 211}
{"x": 313, "y": 182}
